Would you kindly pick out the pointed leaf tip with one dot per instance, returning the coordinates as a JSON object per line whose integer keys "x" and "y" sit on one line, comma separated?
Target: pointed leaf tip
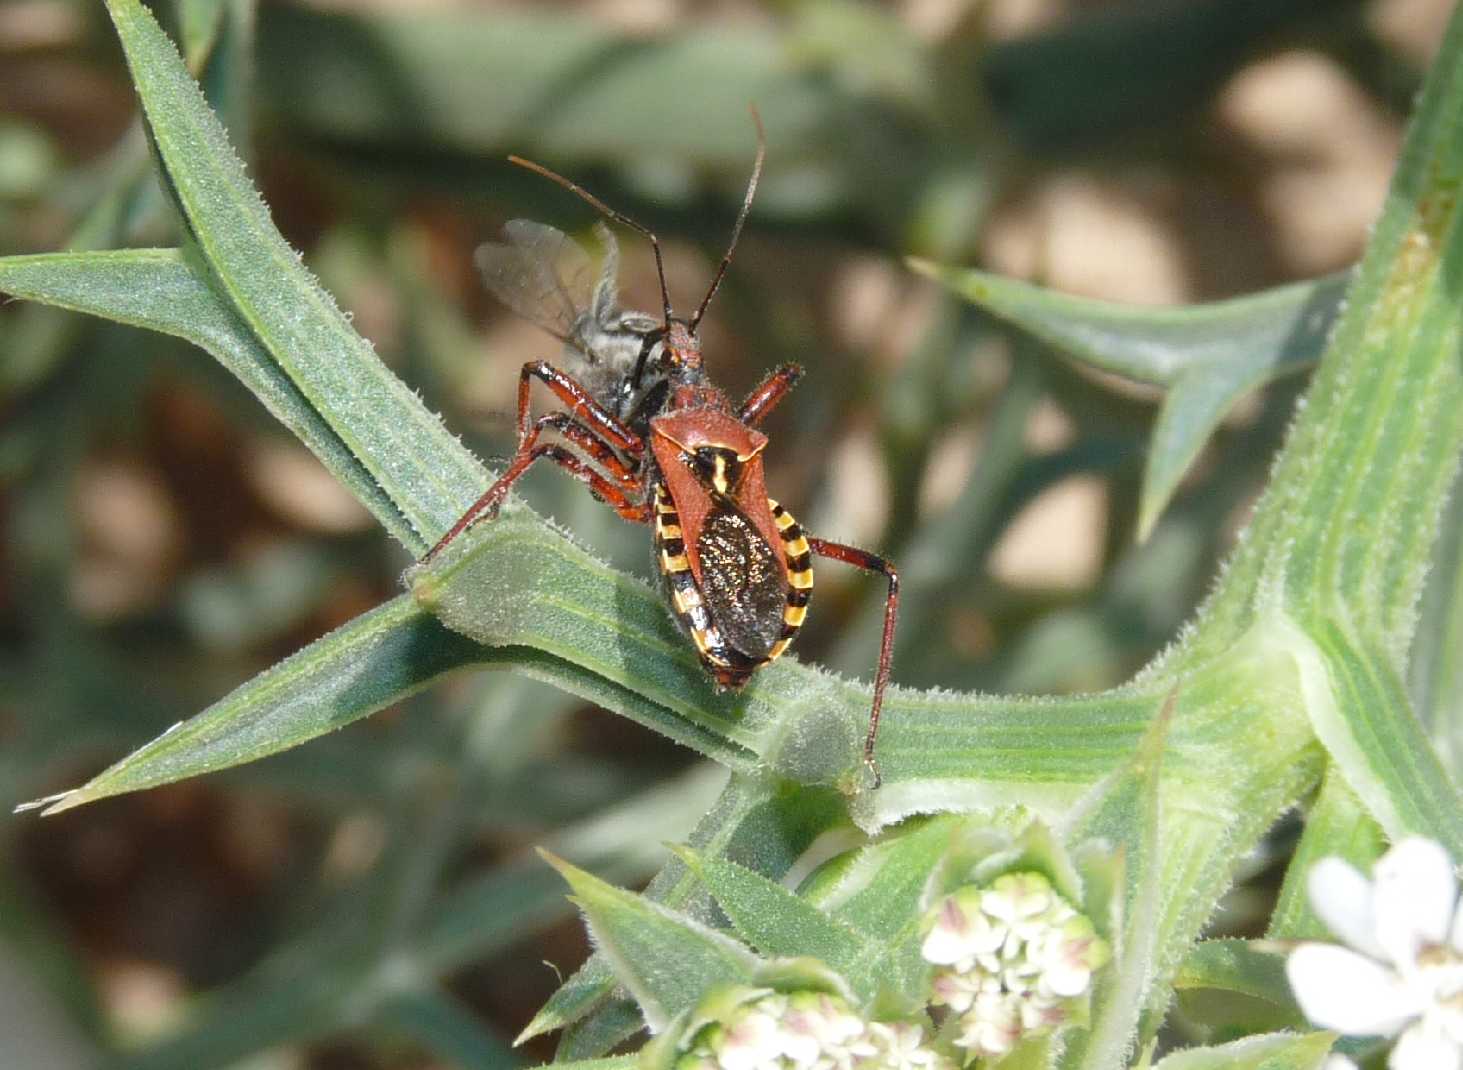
{"x": 572, "y": 874}
{"x": 666, "y": 959}
{"x": 53, "y": 803}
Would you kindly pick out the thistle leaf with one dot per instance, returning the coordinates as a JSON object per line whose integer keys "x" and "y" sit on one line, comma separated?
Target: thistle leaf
{"x": 774, "y": 920}
{"x": 371, "y": 662}
{"x": 418, "y": 464}
{"x": 1278, "y": 1051}
{"x": 1209, "y": 356}
{"x": 160, "y": 290}
{"x": 666, "y": 960}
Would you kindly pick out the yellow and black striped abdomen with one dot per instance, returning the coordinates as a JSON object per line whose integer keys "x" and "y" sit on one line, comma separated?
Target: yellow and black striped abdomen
{"x": 730, "y": 666}
{"x": 686, "y": 601}
{"x": 799, "y": 560}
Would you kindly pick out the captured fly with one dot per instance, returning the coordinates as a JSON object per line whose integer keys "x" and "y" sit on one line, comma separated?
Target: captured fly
{"x": 547, "y": 278}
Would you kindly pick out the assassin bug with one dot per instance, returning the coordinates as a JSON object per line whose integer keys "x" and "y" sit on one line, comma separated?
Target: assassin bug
{"x": 668, "y": 448}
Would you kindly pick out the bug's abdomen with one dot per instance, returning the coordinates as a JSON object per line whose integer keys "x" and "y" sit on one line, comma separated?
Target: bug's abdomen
{"x": 742, "y": 582}
{"x": 751, "y": 598}
{"x": 798, "y": 560}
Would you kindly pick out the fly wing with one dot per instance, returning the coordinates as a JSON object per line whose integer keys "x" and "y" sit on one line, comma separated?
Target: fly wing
{"x": 540, "y": 273}
{"x": 741, "y": 582}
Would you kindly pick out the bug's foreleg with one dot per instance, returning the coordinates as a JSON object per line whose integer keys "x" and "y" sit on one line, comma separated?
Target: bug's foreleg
{"x": 852, "y": 555}
{"x": 625, "y": 474}
{"x": 768, "y": 393}
{"x": 582, "y": 407}
{"x": 616, "y": 495}
{"x": 600, "y": 434}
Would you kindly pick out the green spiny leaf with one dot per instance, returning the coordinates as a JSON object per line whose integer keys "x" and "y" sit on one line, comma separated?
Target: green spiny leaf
{"x": 612, "y": 1022}
{"x": 423, "y": 469}
{"x": 610, "y": 1062}
{"x": 1277, "y": 1051}
{"x": 774, "y": 920}
{"x": 1435, "y": 659}
{"x": 1249, "y": 967}
{"x": 618, "y": 628}
{"x": 158, "y": 289}
{"x": 579, "y": 996}
{"x": 666, "y": 960}
{"x": 1360, "y": 711}
{"x": 374, "y": 660}
{"x": 761, "y": 825}
{"x": 1353, "y": 505}
{"x": 881, "y": 892}
{"x": 1128, "y": 816}
{"x": 1274, "y": 332}
{"x": 1337, "y": 824}
{"x": 1208, "y": 355}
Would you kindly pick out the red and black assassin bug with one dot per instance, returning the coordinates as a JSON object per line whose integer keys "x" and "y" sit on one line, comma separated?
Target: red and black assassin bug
{"x": 662, "y": 446}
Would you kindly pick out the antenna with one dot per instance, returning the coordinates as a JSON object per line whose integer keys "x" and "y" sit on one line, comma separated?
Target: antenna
{"x": 605, "y": 210}
{"x": 741, "y": 218}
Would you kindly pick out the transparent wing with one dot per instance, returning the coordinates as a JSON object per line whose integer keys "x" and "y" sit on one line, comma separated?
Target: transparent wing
{"x": 540, "y": 273}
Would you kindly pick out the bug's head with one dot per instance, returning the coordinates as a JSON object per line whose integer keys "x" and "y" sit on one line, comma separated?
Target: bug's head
{"x": 681, "y": 351}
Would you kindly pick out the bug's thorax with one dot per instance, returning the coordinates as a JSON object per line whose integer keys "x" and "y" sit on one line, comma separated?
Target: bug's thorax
{"x": 710, "y": 462}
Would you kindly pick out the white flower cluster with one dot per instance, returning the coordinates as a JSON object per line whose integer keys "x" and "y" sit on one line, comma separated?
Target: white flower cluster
{"x": 1015, "y": 960}
{"x": 808, "y": 1031}
{"x": 1404, "y": 977}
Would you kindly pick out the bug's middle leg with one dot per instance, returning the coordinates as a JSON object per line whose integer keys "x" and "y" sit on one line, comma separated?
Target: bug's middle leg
{"x": 619, "y": 495}
{"x": 606, "y": 441}
{"x": 625, "y": 472}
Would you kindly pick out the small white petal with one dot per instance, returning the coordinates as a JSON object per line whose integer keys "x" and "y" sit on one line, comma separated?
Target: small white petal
{"x": 1337, "y": 1062}
{"x": 1339, "y": 989}
{"x": 1343, "y": 899}
{"x": 1448, "y": 1016}
{"x": 960, "y": 931}
{"x": 753, "y": 1041}
{"x": 1017, "y": 896}
{"x": 992, "y": 1027}
{"x": 1424, "y": 1048}
{"x": 955, "y": 990}
{"x": 1414, "y": 898}
{"x": 801, "y": 1048}
{"x": 1067, "y": 979}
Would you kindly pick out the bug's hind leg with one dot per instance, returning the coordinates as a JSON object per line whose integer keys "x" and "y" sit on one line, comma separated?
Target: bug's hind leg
{"x": 852, "y": 555}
